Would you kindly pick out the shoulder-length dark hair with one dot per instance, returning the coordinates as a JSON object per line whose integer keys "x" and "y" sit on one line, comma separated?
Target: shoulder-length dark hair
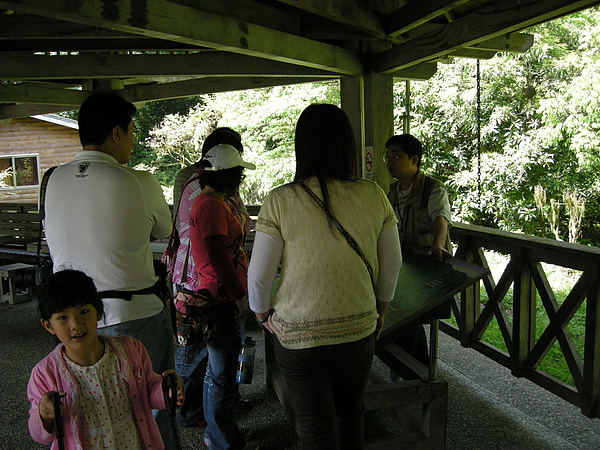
{"x": 325, "y": 146}
{"x": 222, "y": 135}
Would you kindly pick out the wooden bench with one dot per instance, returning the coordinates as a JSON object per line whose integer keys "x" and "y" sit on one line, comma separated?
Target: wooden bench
{"x": 19, "y": 233}
{"x": 16, "y": 282}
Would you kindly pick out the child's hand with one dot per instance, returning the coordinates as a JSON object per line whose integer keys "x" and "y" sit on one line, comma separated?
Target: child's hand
{"x": 46, "y": 410}
{"x": 180, "y": 391}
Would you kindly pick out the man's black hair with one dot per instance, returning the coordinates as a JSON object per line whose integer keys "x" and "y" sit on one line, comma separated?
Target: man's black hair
{"x": 100, "y": 114}
{"x": 408, "y": 144}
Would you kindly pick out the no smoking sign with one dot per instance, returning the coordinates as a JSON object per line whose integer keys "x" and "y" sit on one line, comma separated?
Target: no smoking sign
{"x": 369, "y": 163}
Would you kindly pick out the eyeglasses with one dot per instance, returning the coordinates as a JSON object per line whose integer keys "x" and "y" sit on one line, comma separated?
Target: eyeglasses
{"x": 391, "y": 157}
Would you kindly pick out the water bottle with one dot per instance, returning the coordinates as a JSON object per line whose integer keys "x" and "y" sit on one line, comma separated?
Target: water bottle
{"x": 246, "y": 362}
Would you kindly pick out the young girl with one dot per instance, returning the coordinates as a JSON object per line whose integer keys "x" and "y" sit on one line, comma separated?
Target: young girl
{"x": 106, "y": 384}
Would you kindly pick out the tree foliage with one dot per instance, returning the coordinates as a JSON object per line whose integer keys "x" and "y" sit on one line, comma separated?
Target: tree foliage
{"x": 266, "y": 119}
{"x": 534, "y": 123}
{"x": 147, "y": 118}
{"x": 539, "y": 125}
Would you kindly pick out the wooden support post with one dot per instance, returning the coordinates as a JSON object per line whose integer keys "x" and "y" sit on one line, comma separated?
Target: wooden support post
{"x": 524, "y": 316}
{"x": 352, "y": 93}
{"x": 369, "y": 103}
{"x": 591, "y": 367}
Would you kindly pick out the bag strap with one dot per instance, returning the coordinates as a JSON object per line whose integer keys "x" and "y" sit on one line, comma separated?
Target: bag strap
{"x": 42, "y": 211}
{"x": 351, "y": 241}
{"x": 428, "y": 184}
{"x": 176, "y": 212}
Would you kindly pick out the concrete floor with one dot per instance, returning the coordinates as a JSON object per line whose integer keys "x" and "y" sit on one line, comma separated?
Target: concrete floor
{"x": 488, "y": 408}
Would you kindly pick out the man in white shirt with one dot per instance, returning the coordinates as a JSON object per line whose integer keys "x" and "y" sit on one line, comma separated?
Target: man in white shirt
{"x": 100, "y": 217}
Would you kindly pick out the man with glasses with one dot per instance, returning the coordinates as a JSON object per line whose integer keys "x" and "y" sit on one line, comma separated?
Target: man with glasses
{"x": 100, "y": 217}
{"x": 422, "y": 207}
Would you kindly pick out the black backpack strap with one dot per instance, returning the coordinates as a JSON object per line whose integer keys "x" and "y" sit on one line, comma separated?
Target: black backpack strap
{"x": 42, "y": 211}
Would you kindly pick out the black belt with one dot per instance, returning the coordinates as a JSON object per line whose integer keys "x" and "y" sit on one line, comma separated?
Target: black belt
{"x": 127, "y": 295}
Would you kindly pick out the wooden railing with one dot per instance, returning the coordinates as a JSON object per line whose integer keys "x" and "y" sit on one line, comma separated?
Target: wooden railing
{"x": 525, "y": 274}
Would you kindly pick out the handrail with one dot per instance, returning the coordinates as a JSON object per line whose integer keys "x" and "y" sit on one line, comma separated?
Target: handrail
{"x": 525, "y": 274}
{"x": 528, "y": 280}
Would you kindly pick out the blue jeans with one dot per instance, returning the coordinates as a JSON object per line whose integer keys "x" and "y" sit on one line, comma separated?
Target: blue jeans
{"x": 191, "y": 367}
{"x": 156, "y": 333}
{"x": 220, "y": 387}
{"x": 326, "y": 388}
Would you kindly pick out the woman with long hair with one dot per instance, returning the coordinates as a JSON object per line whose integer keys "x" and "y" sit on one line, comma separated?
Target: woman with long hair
{"x": 336, "y": 238}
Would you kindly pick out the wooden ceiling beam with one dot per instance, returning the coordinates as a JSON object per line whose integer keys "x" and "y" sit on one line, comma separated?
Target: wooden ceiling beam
{"x": 472, "y": 53}
{"x": 351, "y": 13}
{"x": 162, "y": 20}
{"x": 255, "y": 12}
{"x": 155, "y": 91}
{"x": 25, "y": 110}
{"x": 510, "y": 42}
{"x": 419, "y": 72}
{"x": 26, "y": 26}
{"x": 119, "y": 66}
{"x": 142, "y": 93}
{"x": 414, "y": 14}
{"x": 29, "y": 93}
{"x": 132, "y": 43}
{"x": 487, "y": 23}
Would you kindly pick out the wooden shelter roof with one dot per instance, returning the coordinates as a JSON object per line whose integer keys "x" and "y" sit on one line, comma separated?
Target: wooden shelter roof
{"x": 52, "y": 51}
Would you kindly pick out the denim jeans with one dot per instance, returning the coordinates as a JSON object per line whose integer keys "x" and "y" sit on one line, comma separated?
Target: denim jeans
{"x": 156, "y": 333}
{"x": 220, "y": 388}
{"x": 191, "y": 367}
{"x": 326, "y": 388}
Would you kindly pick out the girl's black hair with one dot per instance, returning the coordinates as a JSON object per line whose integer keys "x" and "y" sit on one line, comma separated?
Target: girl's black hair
{"x": 68, "y": 289}
{"x": 226, "y": 180}
{"x": 325, "y": 147}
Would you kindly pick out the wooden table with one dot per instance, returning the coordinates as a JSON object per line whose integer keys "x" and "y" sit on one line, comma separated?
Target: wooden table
{"x": 423, "y": 293}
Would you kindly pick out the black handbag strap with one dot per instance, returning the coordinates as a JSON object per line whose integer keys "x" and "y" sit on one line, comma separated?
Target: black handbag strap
{"x": 351, "y": 241}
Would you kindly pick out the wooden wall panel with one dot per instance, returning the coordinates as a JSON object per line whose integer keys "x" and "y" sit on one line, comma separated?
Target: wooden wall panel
{"x": 54, "y": 144}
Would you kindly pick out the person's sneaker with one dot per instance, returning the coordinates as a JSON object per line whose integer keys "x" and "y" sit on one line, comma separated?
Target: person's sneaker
{"x": 244, "y": 403}
{"x": 247, "y": 446}
{"x": 199, "y": 424}
{"x": 250, "y": 446}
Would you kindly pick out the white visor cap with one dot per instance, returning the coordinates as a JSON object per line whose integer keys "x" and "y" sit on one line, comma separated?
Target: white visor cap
{"x": 225, "y": 156}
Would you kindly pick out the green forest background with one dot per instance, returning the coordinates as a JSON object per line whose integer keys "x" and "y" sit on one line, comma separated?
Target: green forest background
{"x": 518, "y": 154}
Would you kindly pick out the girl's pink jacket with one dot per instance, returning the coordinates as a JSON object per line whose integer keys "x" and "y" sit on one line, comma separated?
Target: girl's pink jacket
{"x": 145, "y": 389}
